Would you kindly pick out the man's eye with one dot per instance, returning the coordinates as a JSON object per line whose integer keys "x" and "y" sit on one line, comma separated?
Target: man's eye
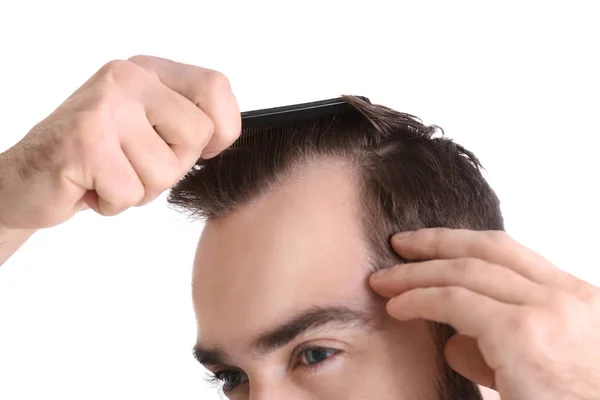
{"x": 231, "y": 379}
{"x": 316, "y": 355}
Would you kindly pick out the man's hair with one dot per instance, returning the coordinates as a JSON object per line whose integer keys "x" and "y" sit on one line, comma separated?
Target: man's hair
{"x": 408, "y": 179}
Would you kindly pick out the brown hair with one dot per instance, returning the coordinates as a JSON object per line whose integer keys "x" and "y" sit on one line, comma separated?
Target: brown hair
{"x": 409, "y": 179}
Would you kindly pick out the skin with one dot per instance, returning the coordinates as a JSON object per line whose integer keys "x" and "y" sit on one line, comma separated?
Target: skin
{"x": 130, "y": 132}
{"x": 527, "y": 328}
{"x": 297, "y": 247}
{"x": 125, "y": 136}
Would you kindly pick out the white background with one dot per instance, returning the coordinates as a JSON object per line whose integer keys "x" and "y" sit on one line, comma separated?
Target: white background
{"x": 100, "y": 308}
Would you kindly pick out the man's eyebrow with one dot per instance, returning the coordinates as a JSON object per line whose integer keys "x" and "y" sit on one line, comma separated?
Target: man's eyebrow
{"x": 212, "y": 357}
{"x": 316, "y": 317}
{"x": 313, "y": 318}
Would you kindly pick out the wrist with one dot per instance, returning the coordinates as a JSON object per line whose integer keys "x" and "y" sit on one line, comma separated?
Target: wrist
{"x": 7, "y": 234}
{"x": 11, "y": 239}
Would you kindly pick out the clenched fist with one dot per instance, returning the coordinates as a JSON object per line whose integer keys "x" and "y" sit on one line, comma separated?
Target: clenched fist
{"x": 129, "y": 133}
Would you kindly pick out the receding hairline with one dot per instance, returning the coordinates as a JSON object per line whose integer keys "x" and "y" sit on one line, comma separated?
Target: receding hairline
{"x": 412, "y": 181}
{"x": 300, "y": 169}
{"x": 361, "y": 199}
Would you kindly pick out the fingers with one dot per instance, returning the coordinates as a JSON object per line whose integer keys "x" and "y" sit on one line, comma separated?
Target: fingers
{"x": 492, "y": 280}
{"x": 208, "y": 90}
{"x": 463, "y": 355}
{"x": 167, "y": 116}
{"x": 154, "y": 162}
{"x": 163, "y": 116}
{"x": 182, "y": 125}
{"x": 468, "y": 312}
{"x": 118, "y": 186}
{"x": 493, "y": 246}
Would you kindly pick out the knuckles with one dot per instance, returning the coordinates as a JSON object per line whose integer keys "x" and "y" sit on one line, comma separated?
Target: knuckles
{"x": 455, "y": 294}
{"x": 593, "y": 298}
{"x": 498, "y": 238}
{"x": 215, "y": 84}
{"x": 126, "y": 75}
{"x": 494, "y": 242}
{"x": 527, "y": 325}
{"x": 466, "y": 266}
{"x": 94, "y": 116}
{"x": 94, "y": 125}
{"x": 564, "y": 307}
{"x": 93, "y": 121}
{"x": 534, "y": 327}
{"x": 90, "y": 131}
{"x": 216, "y": 89}
{"x": 589, "y": 293}
{"x": 142, "y": 59}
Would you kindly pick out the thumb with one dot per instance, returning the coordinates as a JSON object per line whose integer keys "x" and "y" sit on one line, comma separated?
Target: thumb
{"x": 81, "y": 206}
{"x": 463, "y": 356}
{"x": 88, "y": 201}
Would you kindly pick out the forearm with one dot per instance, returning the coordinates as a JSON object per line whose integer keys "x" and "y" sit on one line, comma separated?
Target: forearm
{"x": 11, "y": 240}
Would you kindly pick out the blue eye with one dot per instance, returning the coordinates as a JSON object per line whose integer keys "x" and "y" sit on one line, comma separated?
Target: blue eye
{"x": 317, "y": 355}
{"x": 231, "y": 379}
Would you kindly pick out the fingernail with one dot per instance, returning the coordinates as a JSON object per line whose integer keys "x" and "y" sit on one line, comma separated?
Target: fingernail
{"x": 379, "y": 274}
{"x": 391, "y": 302}
{"x": 402, "y": 235}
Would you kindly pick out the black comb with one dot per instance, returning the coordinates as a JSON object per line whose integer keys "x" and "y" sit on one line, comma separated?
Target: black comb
{"x": 254, "y": 122}
{"x": 296, "y": 113}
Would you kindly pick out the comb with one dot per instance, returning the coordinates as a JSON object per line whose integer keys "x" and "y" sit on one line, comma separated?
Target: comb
{"x": 296, "y": 113}
{"x": 254, "y": 122}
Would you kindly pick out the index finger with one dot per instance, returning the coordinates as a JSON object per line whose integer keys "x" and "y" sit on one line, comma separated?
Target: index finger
{"x": 208, "y": 89}
{"x": 496, "y": 247}
{"x": 468, "y": 312}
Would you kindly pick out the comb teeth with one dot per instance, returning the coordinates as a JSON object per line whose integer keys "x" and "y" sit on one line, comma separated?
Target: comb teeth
{"x": 264, "y": 130}
{"x": 255, "y": 122}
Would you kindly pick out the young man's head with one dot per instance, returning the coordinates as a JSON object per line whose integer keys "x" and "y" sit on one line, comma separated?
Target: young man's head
{"x": 298, "y": 216}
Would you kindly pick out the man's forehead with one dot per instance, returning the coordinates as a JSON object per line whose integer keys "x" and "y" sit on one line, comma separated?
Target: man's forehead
{"x": 240, "y": 317}
{"x": 299, "y": 246}
{"x": 309, "y": 225}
